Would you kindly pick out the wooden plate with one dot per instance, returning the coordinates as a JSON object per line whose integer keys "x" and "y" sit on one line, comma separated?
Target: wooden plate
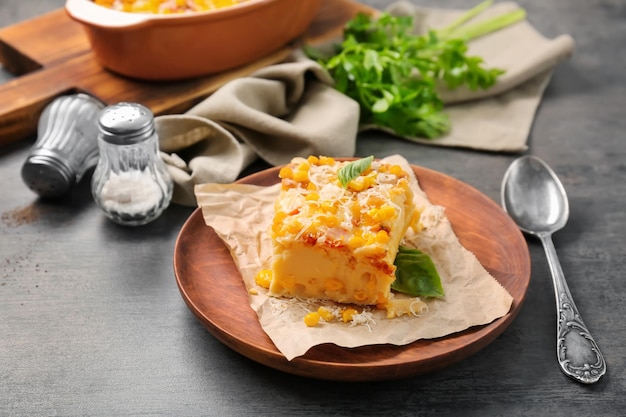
{"x": 214, "y": 291}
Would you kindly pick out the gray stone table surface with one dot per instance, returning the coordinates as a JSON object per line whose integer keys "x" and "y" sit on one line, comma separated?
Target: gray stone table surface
{"x": 92, "y": 322}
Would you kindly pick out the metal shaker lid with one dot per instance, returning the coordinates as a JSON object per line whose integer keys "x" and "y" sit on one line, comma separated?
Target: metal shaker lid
{"x": 47, "y": 174}
{"x": 126, "y": 123}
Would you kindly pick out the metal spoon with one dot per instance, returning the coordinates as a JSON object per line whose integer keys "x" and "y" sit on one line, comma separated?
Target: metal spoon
{"x": 536, "y": 200}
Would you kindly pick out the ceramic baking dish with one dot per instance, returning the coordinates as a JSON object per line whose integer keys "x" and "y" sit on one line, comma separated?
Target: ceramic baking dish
{"x": 180, "y": 46}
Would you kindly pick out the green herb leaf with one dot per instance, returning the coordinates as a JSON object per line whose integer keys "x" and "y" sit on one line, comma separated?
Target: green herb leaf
{"x": 353, "y": 169}
{"x": 416, "y": 274}
{"x": 394, "y": 74}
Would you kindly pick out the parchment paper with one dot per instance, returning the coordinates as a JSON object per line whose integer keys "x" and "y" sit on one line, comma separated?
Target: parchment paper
{"x": 241, "y": 214}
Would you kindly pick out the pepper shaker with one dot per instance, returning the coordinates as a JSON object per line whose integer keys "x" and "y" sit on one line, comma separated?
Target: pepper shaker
{"x": 66, "y": 145}
{"x": 131, "y": 183}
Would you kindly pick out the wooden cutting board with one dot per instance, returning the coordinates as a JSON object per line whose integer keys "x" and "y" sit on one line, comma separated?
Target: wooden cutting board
{"x": 51, "y": 56}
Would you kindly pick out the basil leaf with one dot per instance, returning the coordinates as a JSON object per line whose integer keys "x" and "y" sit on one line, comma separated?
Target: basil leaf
{"x": 416, "y": 274}
{"x": 352, "y": 170}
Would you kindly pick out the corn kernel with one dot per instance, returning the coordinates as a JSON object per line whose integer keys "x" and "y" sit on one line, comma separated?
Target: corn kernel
{"x": 375, "y": 201}
{"x": 313, "y": 160}
{"x": 382, "y": 213}
{"x": 293, "y": 227}
{"x": 312, "y": 197}
{"x": 312, "y": 319}
{"x": 328, "y": 207}
{"x": 370, "y": 238}
{"x": 263, "y": 278}
{"x": 301, "y": 176}
{"x": 382, "y": 237}
{"x": 348, "y": 314}
{"x": 355, "y": 210}
{"x": 326, "y": 160}
{"x": 303, "y": 166}
{"x": 279, "y": 216}
{"x": 277, "y": 229}
{"x": 368, "y": 181}
{"x": 277, "y": 223}
{"x": 397, "y": 171}
{"x": 325, "y": 314}
{"x": 285, "y": 172}
{"x": 330, "y": 221}
{"x": 356, "y": 242}
{"x": 357, "y": 184}
{"x": 368, "y": 218}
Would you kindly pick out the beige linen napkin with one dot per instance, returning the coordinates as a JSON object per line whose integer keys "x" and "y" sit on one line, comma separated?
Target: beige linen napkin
{"x": 291, "y": 109}
{"x": 278, "y": 112}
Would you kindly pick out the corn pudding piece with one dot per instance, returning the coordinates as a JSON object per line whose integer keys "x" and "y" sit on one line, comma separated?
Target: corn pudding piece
{"x": 336, "y": 242}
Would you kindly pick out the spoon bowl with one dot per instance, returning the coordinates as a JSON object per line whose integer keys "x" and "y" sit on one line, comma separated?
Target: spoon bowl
{"x": 535, "y": 199}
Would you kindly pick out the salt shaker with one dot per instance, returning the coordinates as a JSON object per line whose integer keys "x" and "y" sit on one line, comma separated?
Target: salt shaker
{"x": 131, "y": 183}
{"x": 66, "y": 145}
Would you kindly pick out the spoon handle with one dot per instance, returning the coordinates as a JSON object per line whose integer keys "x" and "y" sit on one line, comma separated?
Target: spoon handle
{"x": 577, "y": 352}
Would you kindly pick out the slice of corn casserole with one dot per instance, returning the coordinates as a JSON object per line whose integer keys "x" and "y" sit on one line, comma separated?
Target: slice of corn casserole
{"x": 336, "y": 242}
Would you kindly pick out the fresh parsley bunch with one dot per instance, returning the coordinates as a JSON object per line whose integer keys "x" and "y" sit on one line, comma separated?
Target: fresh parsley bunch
{"x": 393, "y": 74}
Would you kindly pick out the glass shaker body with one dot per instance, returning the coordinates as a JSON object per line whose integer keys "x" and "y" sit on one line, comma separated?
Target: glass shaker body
{"x": 131, "y": 183}
{"x": 66, "y": 145}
